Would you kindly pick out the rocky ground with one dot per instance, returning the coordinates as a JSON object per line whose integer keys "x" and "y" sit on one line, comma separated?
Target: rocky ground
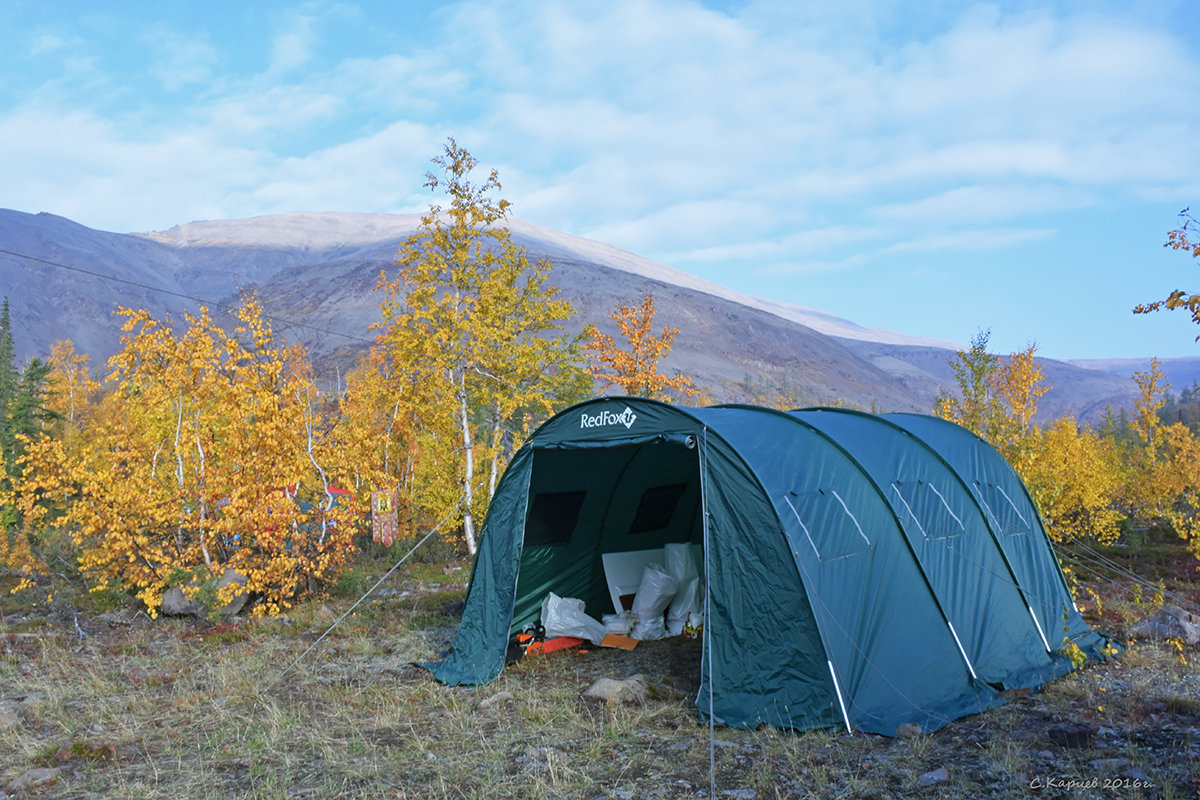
{"x": 113, "y": 704}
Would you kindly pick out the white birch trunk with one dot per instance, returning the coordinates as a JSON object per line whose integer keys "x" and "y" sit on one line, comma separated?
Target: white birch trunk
{"x": 468, "y": 471}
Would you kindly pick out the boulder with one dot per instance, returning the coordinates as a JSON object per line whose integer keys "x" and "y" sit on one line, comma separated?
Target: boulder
{"x": 496, "y": 699}
{"x": 933, "y": 777}
{"x": 1073, "y": 735}
{"x": 632, "y": 691}
{"x": 41, "y": 776}
{"x": 1168, "y": 622}
{"x": 176, "y": 604}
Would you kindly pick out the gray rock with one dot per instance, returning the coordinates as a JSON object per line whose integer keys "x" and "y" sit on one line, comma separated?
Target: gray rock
{"x": 176, "y": 604}
{"x": 231, "y": 577}
{"x": 740, "y": 794}
{"x": 933, "y": 777}
{"x": 40, "y": 776}
{"x": 496, "y": 699}
{"x": 632, "y": 691}
{"x": 1108, "y": 764}
{"x": 32, "y": 700}
{"x": 10, "y": 715}
{"x": 1073, "y": 735}
{"x": 1137, "y": 774}
{"x": 1168, "y": 622}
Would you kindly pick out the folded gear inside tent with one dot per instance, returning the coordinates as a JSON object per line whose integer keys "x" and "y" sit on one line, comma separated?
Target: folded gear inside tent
{"x": 860, "y": 571}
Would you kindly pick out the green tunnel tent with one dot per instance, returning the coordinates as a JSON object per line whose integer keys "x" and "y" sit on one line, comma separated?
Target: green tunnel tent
{"x": 854, "y": 577}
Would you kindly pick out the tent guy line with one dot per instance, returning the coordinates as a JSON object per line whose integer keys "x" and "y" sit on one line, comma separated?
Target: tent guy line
{"x": 366, "y": 594}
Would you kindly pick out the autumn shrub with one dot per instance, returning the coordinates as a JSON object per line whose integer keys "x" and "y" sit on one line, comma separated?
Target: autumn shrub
{"x": 1073, "y": 478}
{"x": 208, "y": 455}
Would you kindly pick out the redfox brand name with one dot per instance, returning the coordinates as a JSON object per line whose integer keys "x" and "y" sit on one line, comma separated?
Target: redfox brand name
{"x": 605, "y": 418}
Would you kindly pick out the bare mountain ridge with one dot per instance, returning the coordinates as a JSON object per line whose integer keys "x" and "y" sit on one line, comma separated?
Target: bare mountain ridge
{"x": 320, "y": 270}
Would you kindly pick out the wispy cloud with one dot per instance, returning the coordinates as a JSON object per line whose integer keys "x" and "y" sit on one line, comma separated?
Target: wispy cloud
{"x": 991, "y": 202}
{"x": 292, "y": 46}
{"x": 179, "y": 60}
{"x": 989, "y": 239}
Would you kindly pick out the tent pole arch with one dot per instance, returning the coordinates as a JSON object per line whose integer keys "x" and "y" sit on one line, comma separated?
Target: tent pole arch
{"x": 987, "y": 518}
{"x": 870, "y": 480}
{"x": 1038, "y": 530}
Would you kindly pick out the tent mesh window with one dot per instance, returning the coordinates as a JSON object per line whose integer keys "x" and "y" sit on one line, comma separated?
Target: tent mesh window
{"x": 552, "y": 518}
{"x": 1001, "y": 509}
{"x": 656, "y": 508}
{"x": 927, "y": 507}
{"x": 828, "y": 524}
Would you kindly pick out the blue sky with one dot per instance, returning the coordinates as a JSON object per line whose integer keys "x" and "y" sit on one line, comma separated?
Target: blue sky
{"x": 1009, "y": 166}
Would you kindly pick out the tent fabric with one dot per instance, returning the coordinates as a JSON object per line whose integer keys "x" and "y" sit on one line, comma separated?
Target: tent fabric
{"x": 1013, "y": 516}
{"x": 855, "y": 573}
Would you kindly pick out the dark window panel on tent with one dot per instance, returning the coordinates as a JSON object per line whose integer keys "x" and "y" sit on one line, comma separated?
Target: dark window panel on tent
{"x": 552, "y": 518}
{"x": 656, "y": 508}
{"x": 828, "y": 524}
{"x": 927, "y": 506}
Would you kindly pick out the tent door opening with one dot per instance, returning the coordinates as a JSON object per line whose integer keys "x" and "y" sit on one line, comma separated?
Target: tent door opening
{"x": 624, "y": 501}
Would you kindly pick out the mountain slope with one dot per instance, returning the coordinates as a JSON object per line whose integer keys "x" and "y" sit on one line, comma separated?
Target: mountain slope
{"x": 316, "y": 274}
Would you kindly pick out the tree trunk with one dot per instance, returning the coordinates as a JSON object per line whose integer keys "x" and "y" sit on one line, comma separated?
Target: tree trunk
{"x": 497, "y": 451}
{"x": 468, "y": 471}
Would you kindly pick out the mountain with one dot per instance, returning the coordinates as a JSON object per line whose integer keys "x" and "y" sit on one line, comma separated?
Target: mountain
{"x": 316, "y": 274}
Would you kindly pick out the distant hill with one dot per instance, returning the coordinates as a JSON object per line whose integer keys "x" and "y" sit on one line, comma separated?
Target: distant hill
{"x": 316, "y": 274}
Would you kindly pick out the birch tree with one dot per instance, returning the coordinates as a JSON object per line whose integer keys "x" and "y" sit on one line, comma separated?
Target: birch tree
{"x": 471, "y": 334}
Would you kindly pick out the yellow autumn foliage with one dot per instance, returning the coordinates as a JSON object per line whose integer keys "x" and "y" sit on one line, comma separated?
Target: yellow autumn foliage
{"x": 1072, "y": 473}
{"x": 469, "y": 354}
{"x": 633, "y": 365}
{"x": 1072, "y": 476}
{"x": 208, "y": 455}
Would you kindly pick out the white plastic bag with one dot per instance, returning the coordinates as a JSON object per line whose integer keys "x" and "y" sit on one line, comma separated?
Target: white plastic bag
{"x": 564, "y": 616}
{"x": 617, "y": 623}
{"x": 682, "y": 567}
{"x": 687, "y": 603}
{"x": 654, "y": 594}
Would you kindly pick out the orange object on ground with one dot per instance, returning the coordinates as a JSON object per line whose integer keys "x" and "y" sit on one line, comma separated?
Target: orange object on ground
{"x": 552, "y": 645}
{"x": 617, "y": 640}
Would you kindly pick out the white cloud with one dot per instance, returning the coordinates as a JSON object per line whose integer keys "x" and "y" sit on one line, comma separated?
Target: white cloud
{"x": 784, "y": 267}
{"x": 975, "y": 240}
{"x": 46, "y": 43}
{"x": 374, "y": 173}
{"x": 675, "y": 129}
{"x": 292, "y": 47}
{"x": 990, "y": 202}
{"x": 180, "y": 60}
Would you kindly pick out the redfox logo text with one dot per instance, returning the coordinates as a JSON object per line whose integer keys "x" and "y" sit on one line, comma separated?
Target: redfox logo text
{"x": 605, "y": 418}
